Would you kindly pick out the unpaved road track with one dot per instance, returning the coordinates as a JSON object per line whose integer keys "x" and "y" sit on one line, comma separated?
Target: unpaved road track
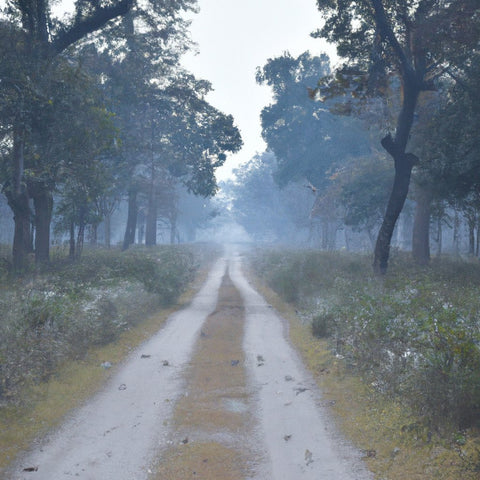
{"x": 217, "y": 394}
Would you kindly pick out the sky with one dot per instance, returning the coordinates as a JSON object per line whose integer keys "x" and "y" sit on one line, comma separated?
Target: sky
{"x": 234, "y": 38}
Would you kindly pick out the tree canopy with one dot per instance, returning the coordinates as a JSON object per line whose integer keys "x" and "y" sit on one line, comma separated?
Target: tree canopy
{"x": 414, "y": 41}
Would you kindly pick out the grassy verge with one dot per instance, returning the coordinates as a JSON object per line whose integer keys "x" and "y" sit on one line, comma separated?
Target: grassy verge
{"x": 40, "y": 405}
{"x": 397, "y": 440}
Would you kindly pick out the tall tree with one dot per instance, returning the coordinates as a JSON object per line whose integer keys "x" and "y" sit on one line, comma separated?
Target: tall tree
{"x": 406, "y": 39}
{"x": 305, "y": 137}
{"x": 43, "y": 40}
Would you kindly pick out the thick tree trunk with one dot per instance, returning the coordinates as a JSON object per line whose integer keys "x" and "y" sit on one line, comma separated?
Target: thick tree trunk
{"x": 472, "y": 219}
{"x": 129, "y": 237}
{"x": 22, "y": 234}
{"x": 43, "y": 203}
{"x": 421, "y": 228}
{"x": 403, "y": 170}
{"x": 19, "y": 202}
{"x": 404, "y": 163}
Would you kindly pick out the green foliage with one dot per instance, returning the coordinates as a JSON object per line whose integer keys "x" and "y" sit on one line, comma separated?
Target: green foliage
{"x": 305, "y": 137}
{"x": 60, "y": 314}
{"x": 163, "y": 271}
{"x": 414, "y": 336}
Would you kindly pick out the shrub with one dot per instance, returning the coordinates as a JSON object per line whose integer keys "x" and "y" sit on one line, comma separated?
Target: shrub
{"x": 415, "y": 335}
{"x": 61, "y": 313}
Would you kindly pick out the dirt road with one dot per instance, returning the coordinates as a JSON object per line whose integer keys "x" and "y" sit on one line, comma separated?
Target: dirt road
{"x": 217, "y": 394}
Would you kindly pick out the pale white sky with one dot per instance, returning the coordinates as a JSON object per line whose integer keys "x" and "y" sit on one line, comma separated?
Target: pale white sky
{"x": 234, "y": 37}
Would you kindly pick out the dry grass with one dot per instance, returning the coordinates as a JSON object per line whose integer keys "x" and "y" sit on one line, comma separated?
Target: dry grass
{"x": 214, "y": 416}
{"x": 45, "y": 405}
{"x": 206, "y": 461}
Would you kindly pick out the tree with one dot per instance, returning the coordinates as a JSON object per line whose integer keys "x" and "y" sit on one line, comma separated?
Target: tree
{"x": 406, "y": 39}
{"x": 450, "y": 146}
{"x": 305, "y": 137}
{"x": 42, "y": 40}
{"x": 87, "y": 173}
{"x": 363, "y": 190}
{"x": 284, "y": 213}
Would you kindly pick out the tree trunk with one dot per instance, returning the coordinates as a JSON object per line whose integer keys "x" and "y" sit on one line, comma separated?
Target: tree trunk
{"x": 151, "y": 220}
{"x": 477, "y": 242}
{"x": 80, "y": 239}
{"x": 71, "y": 252}
{"x": 439, "y": 237}
{"x": 456, "y": 233}
{"x": 19, "y": 202}
{"x": 421, "y": 228}
{"x": 173, "y": 228}
{"x": 43, "y": 203}
{"x": 404, "y": 163}
{"x": 471, "y": 237}
{"x": 21, "y": 236}
{"x": 129, "y": 237}
{"x": 108, "y": 227}
{"x": 403, "y": 171}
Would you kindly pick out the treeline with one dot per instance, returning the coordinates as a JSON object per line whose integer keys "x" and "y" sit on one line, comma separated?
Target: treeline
{"x": 95, "y": 108}
{"x": 405, "y": 89}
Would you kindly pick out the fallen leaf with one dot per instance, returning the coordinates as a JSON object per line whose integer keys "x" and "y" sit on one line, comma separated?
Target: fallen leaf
{"x": 308, "y": 457}
{"x": 300, "y": 390}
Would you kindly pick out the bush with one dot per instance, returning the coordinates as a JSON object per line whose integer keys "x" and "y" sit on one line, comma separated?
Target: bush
{"x": 323, "y": 325}
{"x": 64, "y": 312}
{"x": 415, "y": 335}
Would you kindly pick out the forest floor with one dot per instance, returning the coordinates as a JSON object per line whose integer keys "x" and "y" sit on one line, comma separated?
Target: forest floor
{"x": 217, "y": 393}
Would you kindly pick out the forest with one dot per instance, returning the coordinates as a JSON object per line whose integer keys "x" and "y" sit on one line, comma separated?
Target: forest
{"x": 106, "y": 138}
{"x": 362, "y": 213}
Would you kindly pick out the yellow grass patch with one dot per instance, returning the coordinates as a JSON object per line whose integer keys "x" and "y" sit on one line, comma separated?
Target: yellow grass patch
{"x": 210, "y": 424}
{"x": 206, "y": 461}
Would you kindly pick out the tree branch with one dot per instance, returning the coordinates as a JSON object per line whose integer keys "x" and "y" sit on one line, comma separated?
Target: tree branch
{"x": 386, "y": 32}
{"x": 389, "y": 145}
{"x": 95, "y": 21}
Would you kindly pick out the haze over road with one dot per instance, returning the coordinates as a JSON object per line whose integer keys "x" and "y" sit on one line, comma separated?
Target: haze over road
{"x": 274, "y": 425}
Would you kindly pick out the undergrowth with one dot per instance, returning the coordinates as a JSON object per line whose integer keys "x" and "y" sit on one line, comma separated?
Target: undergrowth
{"x": 58, "y": 314}
{"x": 413, "y": 337}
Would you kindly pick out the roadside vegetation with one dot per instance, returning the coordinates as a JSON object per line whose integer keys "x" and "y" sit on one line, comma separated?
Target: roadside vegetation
{"x": 65, "y": 328}
{"x": 58, "y": 314}
{"x": 398, "y": 357}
